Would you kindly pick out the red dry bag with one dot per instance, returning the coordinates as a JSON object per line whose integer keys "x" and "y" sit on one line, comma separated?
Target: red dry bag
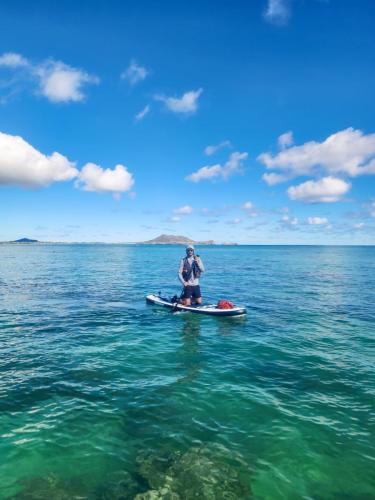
{"x": 225, "y": 304}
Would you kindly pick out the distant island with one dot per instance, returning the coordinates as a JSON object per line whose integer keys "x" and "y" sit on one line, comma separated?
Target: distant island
{"x": 25, "y": 240}
{"x": 170, "y": 239}
{"x": 163, "y": 239}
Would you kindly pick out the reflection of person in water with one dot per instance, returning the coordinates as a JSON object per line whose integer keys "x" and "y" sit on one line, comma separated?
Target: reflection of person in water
{"x": 189, "y": 353}
{"x": 192, "y": 326}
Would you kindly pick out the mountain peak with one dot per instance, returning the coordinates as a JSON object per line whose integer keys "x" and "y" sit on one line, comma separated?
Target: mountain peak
{"x": 171, "y": 239}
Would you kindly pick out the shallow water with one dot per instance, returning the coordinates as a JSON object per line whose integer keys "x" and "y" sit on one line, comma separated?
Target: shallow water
{"x": 103, "y": 396}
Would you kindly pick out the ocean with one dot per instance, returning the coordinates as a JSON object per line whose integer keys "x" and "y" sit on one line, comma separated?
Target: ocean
{"x": 105, "y": 397}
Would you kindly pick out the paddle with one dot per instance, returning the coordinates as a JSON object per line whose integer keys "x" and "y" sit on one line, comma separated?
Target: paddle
{"x": 174, "y": 309}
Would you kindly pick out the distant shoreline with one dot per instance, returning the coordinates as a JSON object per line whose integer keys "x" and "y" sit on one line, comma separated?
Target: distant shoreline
{"x": 65, "y": 243}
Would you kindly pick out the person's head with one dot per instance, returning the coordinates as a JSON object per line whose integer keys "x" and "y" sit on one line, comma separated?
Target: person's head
{"x": 189, "y": 250}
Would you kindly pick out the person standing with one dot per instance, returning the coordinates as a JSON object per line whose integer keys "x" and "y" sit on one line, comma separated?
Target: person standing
{"x": 190, "y": 270}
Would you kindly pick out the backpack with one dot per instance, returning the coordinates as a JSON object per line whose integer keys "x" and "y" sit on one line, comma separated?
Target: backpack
{"x": 188, "y": 270}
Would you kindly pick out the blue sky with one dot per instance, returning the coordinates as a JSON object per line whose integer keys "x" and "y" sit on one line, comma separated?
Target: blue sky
{"x": 246, "y": 121}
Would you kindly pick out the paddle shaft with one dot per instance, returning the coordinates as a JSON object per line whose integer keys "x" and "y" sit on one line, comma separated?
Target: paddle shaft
{"x": 174, "y": 309}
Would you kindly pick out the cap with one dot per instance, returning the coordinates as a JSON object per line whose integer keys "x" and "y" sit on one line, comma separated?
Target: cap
{"x": 190, "y": 246}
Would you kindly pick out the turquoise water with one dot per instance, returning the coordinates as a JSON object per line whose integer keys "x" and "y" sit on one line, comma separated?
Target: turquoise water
{"x": 105, "y": 397}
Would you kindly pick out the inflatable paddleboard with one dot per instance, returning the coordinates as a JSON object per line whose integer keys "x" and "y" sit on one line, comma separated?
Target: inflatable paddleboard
{"x": 211, "y": 309}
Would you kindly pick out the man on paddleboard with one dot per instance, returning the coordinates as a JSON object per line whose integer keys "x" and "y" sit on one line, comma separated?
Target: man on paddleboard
{"x": 191, "y": 267}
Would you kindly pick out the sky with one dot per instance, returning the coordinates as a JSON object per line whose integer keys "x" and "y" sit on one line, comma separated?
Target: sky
{"x": 246, "y": 121}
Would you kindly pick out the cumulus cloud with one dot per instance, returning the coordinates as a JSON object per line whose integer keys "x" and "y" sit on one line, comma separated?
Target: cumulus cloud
{"x": 55, "y": 80}
{"x": 134, "y": 73}
{"x": 186, "y": 209}
{"x": 317, "y": 221}
{"x": 326, "y": 190}
{"x": 349, "y": 152}
{"x": 187, "y": 103}
{"x": 23, "y": 165}
{"x": 210, "y": 150}
{"x": 232, "y": 166}
{"x": 13, "y": 60}
{"x": 359, "y": 225}
{"x": 285, "y": 140}
{"x": 92, "y": 177}
{"x": 277, "y": 12}
{"x": 62, "y": 83}
{"x": 143, "y": 113}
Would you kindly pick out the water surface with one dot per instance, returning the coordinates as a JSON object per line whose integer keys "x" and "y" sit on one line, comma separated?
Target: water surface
{"x": 102, "y": 396}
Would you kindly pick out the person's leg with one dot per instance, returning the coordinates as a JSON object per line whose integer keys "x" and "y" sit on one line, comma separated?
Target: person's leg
{"x": 197, "y": 295}
{"x": 186, "y": 298}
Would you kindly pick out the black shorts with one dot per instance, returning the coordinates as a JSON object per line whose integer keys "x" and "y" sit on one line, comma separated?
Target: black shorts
{"x": 192, "y": 292}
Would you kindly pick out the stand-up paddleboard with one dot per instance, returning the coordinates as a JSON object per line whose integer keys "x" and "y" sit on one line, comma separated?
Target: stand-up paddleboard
{"x": 211, "y": 309}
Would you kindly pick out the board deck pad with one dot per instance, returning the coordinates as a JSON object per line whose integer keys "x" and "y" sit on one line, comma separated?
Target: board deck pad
{"x": 209, "y": 309}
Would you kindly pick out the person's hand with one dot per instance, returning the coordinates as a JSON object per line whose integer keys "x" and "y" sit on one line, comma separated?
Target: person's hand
{"x": 186, "y": 283}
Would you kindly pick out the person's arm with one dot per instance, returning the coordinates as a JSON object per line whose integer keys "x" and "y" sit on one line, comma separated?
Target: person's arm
{"x": 181, "y": 268}
{"x": 200, "y": 264}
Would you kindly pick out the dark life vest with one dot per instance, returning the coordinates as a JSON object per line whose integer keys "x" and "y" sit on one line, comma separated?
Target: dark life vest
{"x": 189, "y": 270}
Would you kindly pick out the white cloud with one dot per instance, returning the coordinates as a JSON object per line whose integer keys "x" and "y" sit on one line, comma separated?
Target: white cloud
{"x": 231, "y": 167}
{"x": 13, "y": 60}
{"x": 277, "y": 12}
{"x": 285, "y": 140}
{"x": 360, "y": 225}
{"x": 272, "y": 179}
{"x": 317, "y": 221}
{"x": 94, "y": 178}
{"x": 187, "y": 103}
{"x": 22, "y": 165}
{"x": 143, "y": 113}
{"x": 56, "y": 81}
{"x": 205, "y": 173}
{"x": 210, "y": 150}
{"x": 372, "y": 209}
{"x": 348, "y": 152}
{"x": 187, "y": 209}
{"x": 134, "y": 73}
{"x": 289, "y": 221}
{"x": 62, "y": 83}
{"x": 326, "y": 190}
